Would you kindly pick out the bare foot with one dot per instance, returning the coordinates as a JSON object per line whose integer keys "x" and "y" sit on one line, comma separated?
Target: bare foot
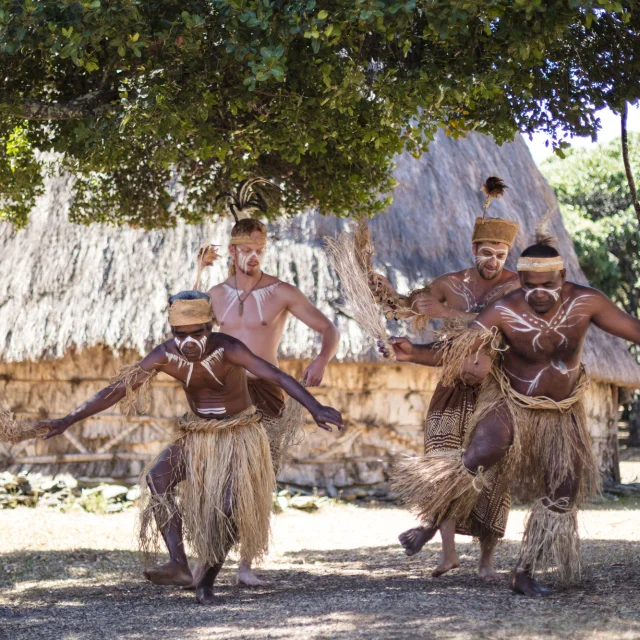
{"x": 446, "y": 564}
{"x": 170, "y": 573}
{"x": 247, "y": 578}
{"x": 197, "y": 573}
{"x": 488, "y": 574}
{"x": 521, "y": 582}
{"x": 414, "y": 539}
{"x": 204, "y": 595}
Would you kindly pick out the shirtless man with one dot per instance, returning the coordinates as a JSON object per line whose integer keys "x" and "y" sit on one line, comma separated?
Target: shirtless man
{"x": 462, "y": 295}
{"x": 212, "y": 370}
{"x": 537, "y": 419}
{"x": 253, "y": 307}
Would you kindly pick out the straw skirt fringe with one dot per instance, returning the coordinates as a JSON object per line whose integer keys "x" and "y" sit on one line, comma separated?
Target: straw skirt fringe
{"x": 225, "y": 497}
{"x": 551, "y": 540}
{"x": 437, "y": 486}
{"x": 549, "y": 445}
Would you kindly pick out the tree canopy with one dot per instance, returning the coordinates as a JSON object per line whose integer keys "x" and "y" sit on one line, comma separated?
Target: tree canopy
{"x": 155, "y": 106}
{"x": 591, "y": 186}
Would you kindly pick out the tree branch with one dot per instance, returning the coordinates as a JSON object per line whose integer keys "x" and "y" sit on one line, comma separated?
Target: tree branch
{"x": 90, "y": 105}
{"x": 627, "y": 163}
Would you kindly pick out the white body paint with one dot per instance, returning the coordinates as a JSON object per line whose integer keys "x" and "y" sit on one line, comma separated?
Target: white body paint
{"x": 259, "y": 295}
{"x": 565, "y": 318}
{"x": 533, "y": 383}
{"x": 461, "y": 289}
{"x": 207, "y": 363}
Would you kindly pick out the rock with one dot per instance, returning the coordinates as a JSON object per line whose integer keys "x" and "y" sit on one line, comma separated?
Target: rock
{"x": 308, "y": 503}
{"x": 133, "y": 494}
{"x": 113, "y": 491}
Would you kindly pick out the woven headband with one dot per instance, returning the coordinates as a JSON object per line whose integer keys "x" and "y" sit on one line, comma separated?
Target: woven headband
{"x": 541, "y": 264}
{"x": 249, "y": 240}
{"x": 184, "y": 312}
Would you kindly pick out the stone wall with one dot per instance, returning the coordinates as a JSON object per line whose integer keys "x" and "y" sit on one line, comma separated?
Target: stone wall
{"x": 384, "y": 406}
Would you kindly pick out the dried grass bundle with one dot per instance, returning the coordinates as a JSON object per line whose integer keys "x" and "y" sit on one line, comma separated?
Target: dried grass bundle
{"x": 14, "y": 431}
{"x": 551, "y": 540}
{"x": 207, "y": 255}
{"x": 493, "y": 188}
{"x": 437, "y": 486}
{"x": 136, "y": 400}
{"x": 468, "y": 343}
{"x": 349, "y": 255}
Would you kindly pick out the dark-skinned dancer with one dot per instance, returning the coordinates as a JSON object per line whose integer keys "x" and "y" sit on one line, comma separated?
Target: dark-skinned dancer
{"x": 529, "y": 427}
{"x": 219, "y": 465}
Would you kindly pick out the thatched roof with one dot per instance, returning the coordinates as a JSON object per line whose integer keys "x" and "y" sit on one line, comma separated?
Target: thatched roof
{"x": 64, "y": 286}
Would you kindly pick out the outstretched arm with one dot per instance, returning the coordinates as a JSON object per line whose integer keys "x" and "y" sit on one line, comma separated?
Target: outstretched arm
{"x": 239, "y": 354}
{"x": 610, "y": 318}
{"x": 300, "y": 307}
{"x": 104, "y": 399}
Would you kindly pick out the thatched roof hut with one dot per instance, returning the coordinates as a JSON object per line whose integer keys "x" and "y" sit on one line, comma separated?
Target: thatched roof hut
{"x": 76, "y": 301}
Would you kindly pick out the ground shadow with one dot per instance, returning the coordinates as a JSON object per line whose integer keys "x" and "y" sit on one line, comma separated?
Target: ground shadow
{"x": 340, "y": 594}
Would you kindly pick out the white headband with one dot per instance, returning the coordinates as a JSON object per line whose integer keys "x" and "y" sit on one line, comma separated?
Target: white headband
{"x": 540, "y": 264}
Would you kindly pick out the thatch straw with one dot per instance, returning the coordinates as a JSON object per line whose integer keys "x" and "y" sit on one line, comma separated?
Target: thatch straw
{"x": 350, "y": 258}
{"x": 551, "y": 540}
{"x": 60, "y": 303}
{"x": 437, "y": 486}
{"x": 14, "y": 431}
{"x": 138, "y": 399}
{"x": 226, "y": 496}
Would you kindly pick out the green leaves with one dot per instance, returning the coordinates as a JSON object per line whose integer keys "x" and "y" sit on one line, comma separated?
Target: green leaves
{"x": 592, "y": 188}
{"x": 316, "y": 96}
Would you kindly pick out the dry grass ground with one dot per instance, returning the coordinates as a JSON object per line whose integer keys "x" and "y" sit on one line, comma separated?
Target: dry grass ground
{"x": 338, "y": 573}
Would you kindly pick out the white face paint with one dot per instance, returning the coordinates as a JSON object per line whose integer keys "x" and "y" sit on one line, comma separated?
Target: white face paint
{"x": 554, "y": 293}
{"x": 201, "y": 343}
{"x": 244, "y": 255}
{"x": 486, "y": 254}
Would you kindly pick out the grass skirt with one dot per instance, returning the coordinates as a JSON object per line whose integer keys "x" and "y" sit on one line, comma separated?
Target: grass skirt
{"x": 226, "y": 495}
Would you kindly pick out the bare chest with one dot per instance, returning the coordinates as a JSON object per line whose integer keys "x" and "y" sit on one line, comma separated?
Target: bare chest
{"x": 559, "y": 334}
{"x": 239, "y": 311}
{"x": 463, "y": 294}
{"x": 208, "y": 373}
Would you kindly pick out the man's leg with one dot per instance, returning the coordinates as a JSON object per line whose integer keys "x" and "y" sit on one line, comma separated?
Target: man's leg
{"x": 162, "y": 480}
{"x": 554, "y": 515}
{"x": 246, "y": 577}
{"x": 486, "y": 570}
{"x": 414, "y": 539}
{"x": 448, "y": 556}
{"x": 488, "y": 446}
{"x": 208, "y": 575}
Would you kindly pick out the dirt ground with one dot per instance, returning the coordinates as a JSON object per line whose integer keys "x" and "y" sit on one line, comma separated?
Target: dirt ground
{"x": 338, "y": 573}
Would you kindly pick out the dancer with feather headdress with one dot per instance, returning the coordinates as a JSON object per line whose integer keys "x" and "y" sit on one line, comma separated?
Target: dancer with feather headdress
{"x": 456, "y": 298}
{"x": 529, "y": 425}
{"x": 253, "y": 306}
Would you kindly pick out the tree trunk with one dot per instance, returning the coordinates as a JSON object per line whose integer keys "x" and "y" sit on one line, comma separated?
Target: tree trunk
{"x": 627, "y": 163}
{"x": 634, "y": 422}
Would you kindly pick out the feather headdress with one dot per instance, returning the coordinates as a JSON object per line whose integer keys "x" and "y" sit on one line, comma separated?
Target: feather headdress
{"x": 493, "y": 188}
{"x": 246, "y": 198}
{"x": 544, "y": 235}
